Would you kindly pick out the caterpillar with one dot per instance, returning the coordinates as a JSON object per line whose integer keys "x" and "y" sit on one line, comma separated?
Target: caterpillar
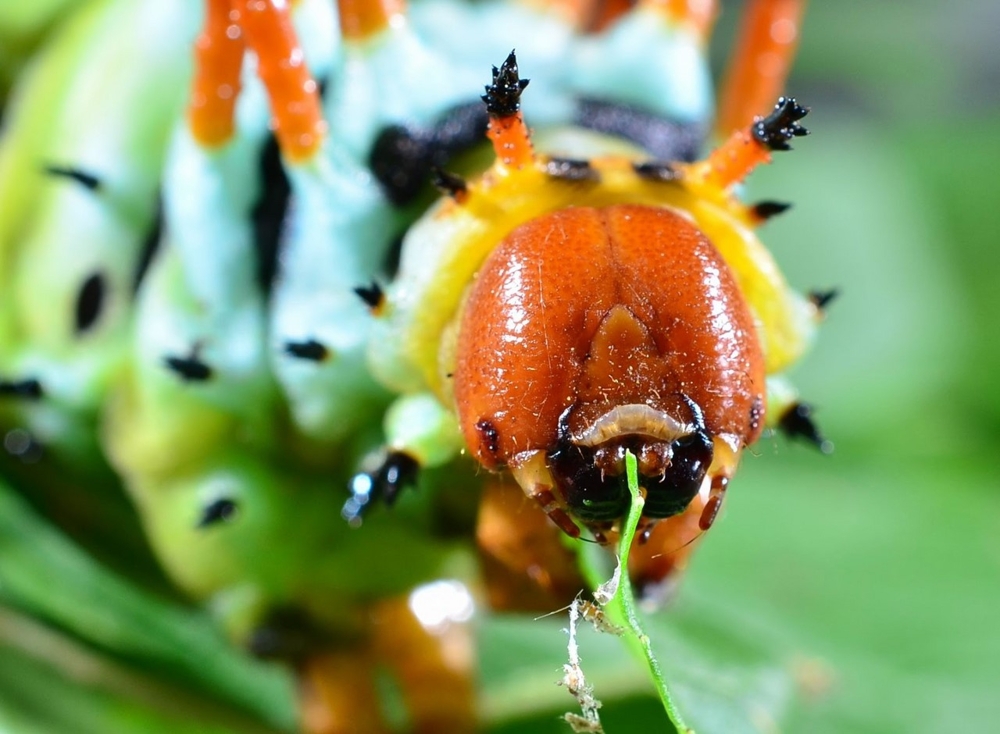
{"x": 303, "y": 329}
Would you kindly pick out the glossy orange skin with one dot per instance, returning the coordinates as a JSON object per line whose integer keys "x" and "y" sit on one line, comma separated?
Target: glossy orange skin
{"x": 595, "y": 308}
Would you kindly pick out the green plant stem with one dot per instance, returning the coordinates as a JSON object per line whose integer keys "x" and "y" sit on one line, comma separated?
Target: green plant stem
{"x": 621, "y": 607}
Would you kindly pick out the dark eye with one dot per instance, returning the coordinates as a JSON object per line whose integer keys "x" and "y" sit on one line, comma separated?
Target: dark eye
{"x": 89, "y": 302}
{"x": 692, "y": 455}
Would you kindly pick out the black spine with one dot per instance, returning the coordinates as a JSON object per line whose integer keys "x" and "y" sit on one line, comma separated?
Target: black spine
{"x": 781, "y": 125}
{"x": 189, "y": 369}
{"x": 397, "y": 471}
{"x": 797, "y": 422}
{"x": 768, "y": 209}
{"x": 309, "y": 349}
{"x": 503, "y": 96}
{"x": 449, "y": 184}
{"x": 822, "y": 299}
{"x": 371, "y": 294}
{"x": 84, "y": 178}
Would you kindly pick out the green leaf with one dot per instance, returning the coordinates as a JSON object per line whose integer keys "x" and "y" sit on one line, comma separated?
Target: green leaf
{"x": 47, "y": 576}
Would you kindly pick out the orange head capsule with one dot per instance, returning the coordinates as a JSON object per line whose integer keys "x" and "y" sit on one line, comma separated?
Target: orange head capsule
{"x": 589, "y": 331}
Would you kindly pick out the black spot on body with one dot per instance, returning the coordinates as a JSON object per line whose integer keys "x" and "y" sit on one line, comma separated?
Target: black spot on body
{"x": 489, "y": 435}
{"x": 84, "y": 178}
{"x": 269, "y": 212}
{"x": 222, "y": 509}
{"x": 403, "y": 157}
{"x": 89, "y": 302}
{"x": 656, "y": 171}
{"x": 664, "y": 139}
{"x": 571, "y": 169}
{"x": 189, "y": 369}
{"x": 401, "y": 161}
{"x": 27, "y": 389}
{"x": 309, "y": 349}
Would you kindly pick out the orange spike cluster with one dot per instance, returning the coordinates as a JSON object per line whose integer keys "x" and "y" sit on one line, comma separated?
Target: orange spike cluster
{"x": 759, "y": 66}
{"x": 361, "y": 19}
{"x": 510, "y": 136}
{"x": 265, "y": 27}
{"x": 218, "y": 62}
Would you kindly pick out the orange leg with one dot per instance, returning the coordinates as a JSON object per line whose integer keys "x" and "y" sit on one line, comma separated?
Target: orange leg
{"x": 218, "y": 62}
{"x": 361, "y": 19}
{"x": 294, "y": 94}
{"x": 759, "y": 66}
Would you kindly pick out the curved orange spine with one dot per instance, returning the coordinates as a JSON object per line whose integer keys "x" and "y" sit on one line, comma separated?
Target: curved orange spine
{"x": 731, "y": 162}
{"x": 216, "y": 86}
{"x": 294, "y": 94}
{"x": 360, "y": 19}
{"x": 759, "y": 66}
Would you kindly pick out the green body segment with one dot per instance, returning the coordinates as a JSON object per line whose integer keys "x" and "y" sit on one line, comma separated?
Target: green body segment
{"x": 102, "y": 102}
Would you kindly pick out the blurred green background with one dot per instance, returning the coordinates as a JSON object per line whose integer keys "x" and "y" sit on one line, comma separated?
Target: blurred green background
{"x": 858, "y": 592}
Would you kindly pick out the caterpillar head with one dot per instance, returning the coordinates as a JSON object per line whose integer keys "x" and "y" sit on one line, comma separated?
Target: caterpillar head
{"x": 592, "y": 331}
